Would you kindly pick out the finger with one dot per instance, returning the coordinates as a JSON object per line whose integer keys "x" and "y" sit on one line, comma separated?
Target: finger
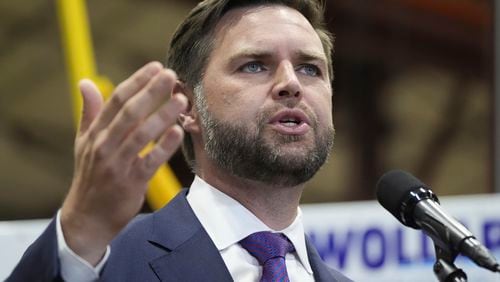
{"x": 141, "y": 106}
{"x": 152, "y": 128}
{"x": 145, "y": 167}
{"x": 92, "y": 103}
{"x": 124, "y": 91}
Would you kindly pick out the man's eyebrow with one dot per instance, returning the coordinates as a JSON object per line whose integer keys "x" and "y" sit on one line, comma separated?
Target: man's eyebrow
{"x": 301, "y": 55}
{"x": 250, "y": 53}
{"x": 310, "y": 56}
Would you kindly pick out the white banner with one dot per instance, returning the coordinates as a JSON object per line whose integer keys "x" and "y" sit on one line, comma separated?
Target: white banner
{"x": 360, "y": 239}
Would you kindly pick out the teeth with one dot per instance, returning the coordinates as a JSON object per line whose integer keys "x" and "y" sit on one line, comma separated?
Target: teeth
{"x": 289, "y": 123}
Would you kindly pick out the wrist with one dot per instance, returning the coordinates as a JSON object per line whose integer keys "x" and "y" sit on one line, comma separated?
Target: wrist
{"x": 85, "y": 236}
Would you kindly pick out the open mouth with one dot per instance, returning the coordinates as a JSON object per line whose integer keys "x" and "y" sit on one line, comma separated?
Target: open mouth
{"x": 291, "y": 121}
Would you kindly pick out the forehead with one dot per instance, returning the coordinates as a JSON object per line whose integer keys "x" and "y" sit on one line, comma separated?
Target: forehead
{"x": 269, "y": 26}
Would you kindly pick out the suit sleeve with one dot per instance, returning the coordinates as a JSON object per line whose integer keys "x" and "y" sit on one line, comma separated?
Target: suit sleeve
{"x": 40, "y": 262}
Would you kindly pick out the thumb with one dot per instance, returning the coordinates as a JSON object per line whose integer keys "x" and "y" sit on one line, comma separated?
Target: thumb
{"x": 92, "y": 103}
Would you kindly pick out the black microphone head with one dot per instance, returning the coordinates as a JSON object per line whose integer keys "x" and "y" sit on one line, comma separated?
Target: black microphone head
{"x": 399, "y": 192}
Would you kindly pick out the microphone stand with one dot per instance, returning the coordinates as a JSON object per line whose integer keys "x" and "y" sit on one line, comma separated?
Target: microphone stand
{"x": 445, "y": 269}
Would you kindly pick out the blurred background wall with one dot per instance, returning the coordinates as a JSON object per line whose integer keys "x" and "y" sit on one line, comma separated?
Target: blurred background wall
{"x": 413, "y": 90}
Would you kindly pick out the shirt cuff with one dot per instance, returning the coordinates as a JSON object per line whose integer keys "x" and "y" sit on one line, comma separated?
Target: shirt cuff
{"x": 73, "y": 267}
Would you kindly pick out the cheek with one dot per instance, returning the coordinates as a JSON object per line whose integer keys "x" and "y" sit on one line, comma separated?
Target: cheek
{"x": 247, "y": 108}
{"x": 321, "y": 105}
{"x": 236, "y": 105}
{"x": 324, "y": 114}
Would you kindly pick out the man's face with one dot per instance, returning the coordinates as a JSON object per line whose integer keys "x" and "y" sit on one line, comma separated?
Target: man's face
{"x": 266, "y": 109}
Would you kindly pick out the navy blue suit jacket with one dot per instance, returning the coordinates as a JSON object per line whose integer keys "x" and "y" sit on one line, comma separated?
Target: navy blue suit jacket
{"x": 168, "y": 245}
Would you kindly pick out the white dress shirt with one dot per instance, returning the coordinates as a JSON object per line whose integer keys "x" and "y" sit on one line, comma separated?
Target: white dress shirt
{"x": 226, "y": 222}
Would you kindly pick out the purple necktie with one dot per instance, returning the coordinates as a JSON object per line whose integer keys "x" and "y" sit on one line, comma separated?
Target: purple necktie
{"x": 270, "y": 250}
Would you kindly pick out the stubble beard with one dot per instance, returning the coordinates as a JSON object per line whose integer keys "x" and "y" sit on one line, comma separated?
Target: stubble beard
{"x": 245, "y": 152}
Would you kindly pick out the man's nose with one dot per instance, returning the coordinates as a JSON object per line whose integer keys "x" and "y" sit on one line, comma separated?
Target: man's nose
{"x": 287, "y": 84}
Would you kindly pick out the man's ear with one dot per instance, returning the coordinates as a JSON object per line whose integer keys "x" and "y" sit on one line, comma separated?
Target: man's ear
{"x": 188, "y": 119}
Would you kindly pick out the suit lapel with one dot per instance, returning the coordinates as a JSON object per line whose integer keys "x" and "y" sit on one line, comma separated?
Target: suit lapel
{"x": 190, "y": 254}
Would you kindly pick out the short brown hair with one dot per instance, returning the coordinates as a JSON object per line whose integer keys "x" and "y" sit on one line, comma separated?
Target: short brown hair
{"x": 193, "y": 41}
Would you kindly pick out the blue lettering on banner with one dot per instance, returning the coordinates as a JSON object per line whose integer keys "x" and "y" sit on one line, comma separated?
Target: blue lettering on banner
{"x": 373, "y": 238}
{"x": 491, "y": 232}
{"x": 402, "y": 258}
{"x": 374, "y": 247}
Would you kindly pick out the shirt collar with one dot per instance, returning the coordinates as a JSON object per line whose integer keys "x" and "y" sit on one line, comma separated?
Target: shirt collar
{"x": 214, "y": 209}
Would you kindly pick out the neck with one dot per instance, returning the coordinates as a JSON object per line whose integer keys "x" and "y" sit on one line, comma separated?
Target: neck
{"x": 274, "y": 205}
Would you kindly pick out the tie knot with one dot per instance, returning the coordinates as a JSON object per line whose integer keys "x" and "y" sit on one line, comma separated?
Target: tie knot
{"x": 266, "y": 245}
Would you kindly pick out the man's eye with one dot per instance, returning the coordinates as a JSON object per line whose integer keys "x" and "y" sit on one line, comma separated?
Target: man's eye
{"x": 252, "y": 67}
{"x": 310, "y": 70}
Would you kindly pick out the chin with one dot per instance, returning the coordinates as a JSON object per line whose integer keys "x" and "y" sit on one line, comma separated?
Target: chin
{"x": 297, "y": 149}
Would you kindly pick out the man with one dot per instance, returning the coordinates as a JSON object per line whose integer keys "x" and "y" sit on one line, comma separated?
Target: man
{"x": 252, "y": 90}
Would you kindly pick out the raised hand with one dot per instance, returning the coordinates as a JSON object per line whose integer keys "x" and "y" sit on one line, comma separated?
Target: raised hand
{"x": 110, "y": 178}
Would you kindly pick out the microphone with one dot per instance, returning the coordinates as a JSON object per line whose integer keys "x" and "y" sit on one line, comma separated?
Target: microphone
{"x": 415, "y": 205}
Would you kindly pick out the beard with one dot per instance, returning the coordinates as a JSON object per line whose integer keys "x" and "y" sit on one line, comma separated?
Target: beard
{"x": 245, "y": 152}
